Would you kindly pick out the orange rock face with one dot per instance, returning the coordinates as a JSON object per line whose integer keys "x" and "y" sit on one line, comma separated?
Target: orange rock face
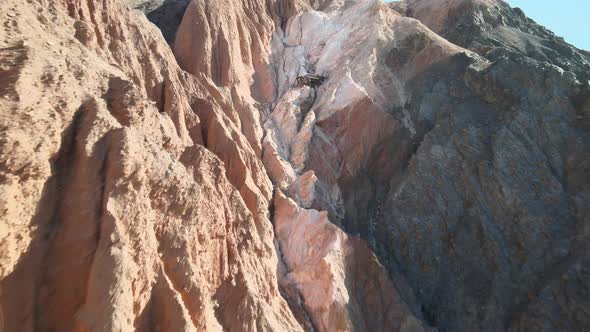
{"x": 137, "y": 182}
{"x": 130, "y": 198}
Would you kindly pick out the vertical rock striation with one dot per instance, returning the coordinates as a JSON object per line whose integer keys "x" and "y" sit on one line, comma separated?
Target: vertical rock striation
{"x": 257, "y": 55}
{"x": 115, "y": 214}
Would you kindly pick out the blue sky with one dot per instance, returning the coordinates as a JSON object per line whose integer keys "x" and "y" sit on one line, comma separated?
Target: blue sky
{"x": 566, "y": 18}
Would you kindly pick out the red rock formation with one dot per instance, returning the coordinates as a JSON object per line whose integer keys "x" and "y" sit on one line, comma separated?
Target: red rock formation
{"x": 137, "y": 183}
{"x": 116, "y": 212}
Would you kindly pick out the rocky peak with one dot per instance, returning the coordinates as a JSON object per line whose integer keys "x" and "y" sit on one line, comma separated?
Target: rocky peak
{"x": 494, "y": 29}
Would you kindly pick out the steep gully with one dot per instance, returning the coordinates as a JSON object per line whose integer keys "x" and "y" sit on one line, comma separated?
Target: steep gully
{"x": 409, "y": 140}
{"x": 134, "y": 195}
{"x": 317, "y": 255}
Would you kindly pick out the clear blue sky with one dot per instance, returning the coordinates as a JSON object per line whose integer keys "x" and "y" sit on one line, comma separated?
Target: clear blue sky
{"x": 569, "y": 19}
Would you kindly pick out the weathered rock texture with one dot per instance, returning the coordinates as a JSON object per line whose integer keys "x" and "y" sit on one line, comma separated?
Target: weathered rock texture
{"x": 134, "y": 194}
{"x": 342, "y": 284}
{"x": 489, "y": 220}
{"x": 493, "y": 29}
{"x": 202, "y": 187}
{"x": 115, "y": 214}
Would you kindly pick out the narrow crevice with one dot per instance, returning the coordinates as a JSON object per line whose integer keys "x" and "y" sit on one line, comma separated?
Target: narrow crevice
{"x": 306, "y": 108}
{"x": 103, "y": 195}
{"x": 162, "y": 100}
{"x": 177, "y": 289}
{"x": 74, "y": 256}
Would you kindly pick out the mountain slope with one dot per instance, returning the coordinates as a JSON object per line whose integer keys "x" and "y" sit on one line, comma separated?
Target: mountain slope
{"x": 134, "y": 195}
{"x": 286, "y": 165}
{"x": 498, "y": 188}
{"x": 494, "y": 29}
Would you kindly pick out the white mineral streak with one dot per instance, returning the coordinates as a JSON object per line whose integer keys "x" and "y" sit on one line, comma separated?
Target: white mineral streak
{"x": 342, "y": 44}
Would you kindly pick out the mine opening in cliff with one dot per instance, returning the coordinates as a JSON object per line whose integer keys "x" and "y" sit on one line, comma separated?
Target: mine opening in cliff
{"x": 310, "y": 80}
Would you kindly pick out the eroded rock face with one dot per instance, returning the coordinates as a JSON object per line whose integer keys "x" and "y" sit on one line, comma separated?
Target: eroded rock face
{"x": 490, "y": 204}
{"x": 165, "y": 14}
{"x": 342, "y": 284}
{"x": 486, "y": 222}
{"x": 206, "y": 188}
{"x": 115, "y": 215}
{"x": 135, "y": 195}
{"x": 486, "y": 228}
{"x": 291, "y": 123}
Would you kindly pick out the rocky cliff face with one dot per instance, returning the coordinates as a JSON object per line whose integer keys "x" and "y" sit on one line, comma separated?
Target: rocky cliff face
{"x": 498, "y": 187}
{"x": 115, "y": 216}
{"x": 287, "y": 165}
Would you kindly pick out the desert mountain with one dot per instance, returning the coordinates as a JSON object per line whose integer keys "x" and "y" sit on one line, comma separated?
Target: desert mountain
{"x": 291, "y": 165}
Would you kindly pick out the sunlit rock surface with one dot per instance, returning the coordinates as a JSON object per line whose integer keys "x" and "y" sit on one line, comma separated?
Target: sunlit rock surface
{"x": 186, "y": 178}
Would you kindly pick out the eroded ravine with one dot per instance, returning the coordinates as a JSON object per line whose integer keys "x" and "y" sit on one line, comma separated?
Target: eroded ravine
{"x": 321, "y": 251}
